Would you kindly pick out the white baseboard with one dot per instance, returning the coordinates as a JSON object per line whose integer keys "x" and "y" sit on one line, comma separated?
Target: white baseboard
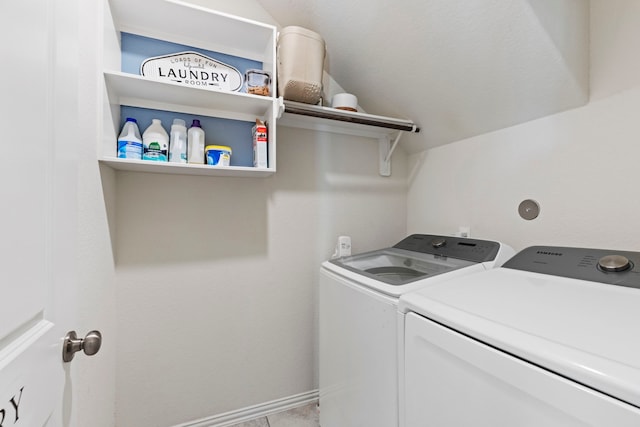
{"x": 261, "y": 410}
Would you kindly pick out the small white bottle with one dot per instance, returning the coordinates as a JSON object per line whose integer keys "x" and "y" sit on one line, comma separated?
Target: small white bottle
{"x": 195, "y": 137}
{"x": 129, "y": 141}
{"x": 155, "y": 142}
{"x": 178, "y": 142}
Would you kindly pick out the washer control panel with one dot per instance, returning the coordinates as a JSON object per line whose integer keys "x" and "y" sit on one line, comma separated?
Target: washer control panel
{"x": 448, "y": 246}
{"x": 597, "y": 265}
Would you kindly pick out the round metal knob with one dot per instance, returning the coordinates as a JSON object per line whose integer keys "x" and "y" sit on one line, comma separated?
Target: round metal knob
{"x": 438, "y": 243}
{"x": 614, "y": 263}
{"x": 90, "y": 344}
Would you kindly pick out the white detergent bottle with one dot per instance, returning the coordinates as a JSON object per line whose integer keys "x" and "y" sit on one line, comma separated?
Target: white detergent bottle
{"x": 155, "y": 142}
{"x": 178, "y": 142}
{"x": 195, "y": 138}
{"x": 129, "y": 141}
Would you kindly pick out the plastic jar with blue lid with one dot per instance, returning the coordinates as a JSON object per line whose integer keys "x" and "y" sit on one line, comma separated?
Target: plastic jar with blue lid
{"x": 217, "y": 155}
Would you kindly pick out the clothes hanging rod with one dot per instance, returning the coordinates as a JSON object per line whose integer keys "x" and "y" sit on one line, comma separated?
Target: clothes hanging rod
{"x": 349, "y": 116}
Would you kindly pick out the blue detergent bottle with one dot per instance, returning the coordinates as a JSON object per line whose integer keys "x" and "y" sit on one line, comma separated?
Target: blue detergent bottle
{"x": 130, "y": 141}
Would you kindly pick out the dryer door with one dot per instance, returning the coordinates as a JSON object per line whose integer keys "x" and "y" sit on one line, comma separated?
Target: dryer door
{"x": 453, "y": 380}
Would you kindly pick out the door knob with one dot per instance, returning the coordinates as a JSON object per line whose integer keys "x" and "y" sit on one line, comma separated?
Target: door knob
{"x": 90, "y": 344}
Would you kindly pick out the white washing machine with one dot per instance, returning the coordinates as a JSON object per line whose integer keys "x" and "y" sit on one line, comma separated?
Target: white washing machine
{"x": 360, "y": 327}
{"x": 547, "y": 340}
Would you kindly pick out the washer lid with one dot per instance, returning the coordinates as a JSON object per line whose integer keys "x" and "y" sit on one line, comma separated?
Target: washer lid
{"x": 583, "y": 330}
{"x": 419, "y": 256}
{"x": 398, "y": 267}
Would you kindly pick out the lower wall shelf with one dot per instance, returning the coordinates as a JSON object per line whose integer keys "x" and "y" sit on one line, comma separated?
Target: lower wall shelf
{"x": 186, "y": 169}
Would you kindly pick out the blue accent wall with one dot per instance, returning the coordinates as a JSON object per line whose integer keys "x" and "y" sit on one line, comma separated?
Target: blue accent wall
{"x": 136, "y": 49}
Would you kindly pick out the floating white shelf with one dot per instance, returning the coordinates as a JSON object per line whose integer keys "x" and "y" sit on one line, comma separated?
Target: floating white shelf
{"x": 297, "y": 114}
{"x": 137, "y": 91}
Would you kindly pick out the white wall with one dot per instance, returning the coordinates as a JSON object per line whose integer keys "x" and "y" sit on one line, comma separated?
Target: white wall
{"x": 217, "y": 277}
{"x": 615, "y": 36}
{"x": 580, "y": 165}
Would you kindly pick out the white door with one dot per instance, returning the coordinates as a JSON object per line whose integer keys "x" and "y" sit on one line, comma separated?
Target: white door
{"x": 38, "y": 94}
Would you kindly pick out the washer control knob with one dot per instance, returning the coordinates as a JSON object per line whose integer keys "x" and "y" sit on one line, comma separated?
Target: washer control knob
{"x": 614, "y": 263}
{"x": 438, "y": 243}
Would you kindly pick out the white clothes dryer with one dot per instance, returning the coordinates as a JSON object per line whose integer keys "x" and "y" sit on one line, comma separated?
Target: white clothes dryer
{"x": 547, "y": 340}
{"x": 360, "y": 328}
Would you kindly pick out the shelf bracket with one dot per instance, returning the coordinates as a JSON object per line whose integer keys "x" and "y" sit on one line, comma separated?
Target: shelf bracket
{"x": 386, "y": 150}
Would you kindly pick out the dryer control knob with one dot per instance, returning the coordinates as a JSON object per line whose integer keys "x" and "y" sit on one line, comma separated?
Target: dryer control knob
{"x": 614, "y": 263}
{"x": 438, "y": 243}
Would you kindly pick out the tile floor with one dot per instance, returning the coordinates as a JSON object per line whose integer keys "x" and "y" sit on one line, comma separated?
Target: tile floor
{"x": 303, "y": 416}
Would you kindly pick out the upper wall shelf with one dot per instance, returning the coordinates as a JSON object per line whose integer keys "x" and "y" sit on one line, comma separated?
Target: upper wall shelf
{"x": 326, "y": 119}
{"x": 297, "y": 114}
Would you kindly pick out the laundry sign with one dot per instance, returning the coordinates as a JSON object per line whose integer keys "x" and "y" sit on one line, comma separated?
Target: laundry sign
{"x": 193, "y": 69}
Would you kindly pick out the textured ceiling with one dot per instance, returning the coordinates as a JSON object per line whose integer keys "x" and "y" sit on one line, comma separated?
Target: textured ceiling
{"x": 458, "y": 68}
